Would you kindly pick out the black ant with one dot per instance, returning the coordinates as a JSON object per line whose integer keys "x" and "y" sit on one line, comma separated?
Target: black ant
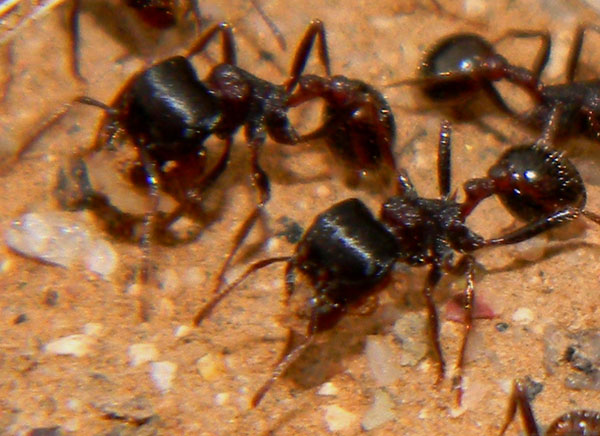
{"x": 168, "y": 113}
{"x": 461, "y": 66}
{"x": 574, "y": 423}
{"x": 348, "y": 254}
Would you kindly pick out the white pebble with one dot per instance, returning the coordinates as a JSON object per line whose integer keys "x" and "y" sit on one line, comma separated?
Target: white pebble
{"x": 382, "y": 360}
{"x": 142, "y": 353}
{"x": 182, "y": 331}
{"x": 162, "y": 374}
{"x": 523, "y": 316}
{"x": 222, "y": 398}
{"x": 58, "y": 238}
{"x": 328, "y": 389}
{"x": 74, "y": 345}
{"x": 92, "y": 329}
{"x": 531, "y": 250}
{"x": 210, "y": 367}
{"x": 339, "y": 419}
{"x": 380, "y": 412}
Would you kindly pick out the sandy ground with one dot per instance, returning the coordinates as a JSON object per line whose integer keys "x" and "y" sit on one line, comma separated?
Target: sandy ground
{"x": 220, "y": 365}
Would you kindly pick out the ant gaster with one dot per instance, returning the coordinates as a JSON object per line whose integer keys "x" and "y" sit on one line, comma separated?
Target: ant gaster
{"x": 347, "y": 254}
{"x": 574, "y": 423}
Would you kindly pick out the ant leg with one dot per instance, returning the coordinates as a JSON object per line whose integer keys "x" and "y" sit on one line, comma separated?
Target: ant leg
{"x": 533, "y": 229}
{"x": 195, "y": 8}
{"x": 288, "y": 360}
{"x": 445, "y": 159}
{"x": 290, "y": 279}
{"x": 74, "y": 192}
{"x": 270, "y": 24}
{"x": 315, "y": 30}
{"x": 544, "y": 51}
{"x": 518, "y": 399}
{"x": 28, "y": 144}
{"x": 152, "y": 180}
{"x": 261, "y": 181}
{"x": 575, "y": 51}
{"x": 468, "y": 262}
{"x": 433, "y": 277}
{"x": 227, "y": 38}
{"x": 220, "y": 294}
{"x": 74, "y": 39}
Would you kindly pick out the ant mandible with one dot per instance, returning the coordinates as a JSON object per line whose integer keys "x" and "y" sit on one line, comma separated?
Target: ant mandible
{"x": 348, "y": 254}
{"x": 574, "y": 423}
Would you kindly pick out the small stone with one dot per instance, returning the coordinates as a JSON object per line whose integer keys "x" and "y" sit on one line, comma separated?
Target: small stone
{"x": 20, "y": 319}
{"x": 383, "y": 358}
{"x": 222, "y": 398}
{"x": 182, "y": 331}
{"x": 411, "y": 331}
{"x": 328, "y": 389}
{"x": 170, "y": 281}
{"x": 523, "y": 316}
{"x": 46, "y": 431}
{"x": 210, "y": 367}
{"x": 162, "y": 374}
{"x": 339, "y": 419}
{"x": 142, "y": 353}
{"x": 380, "y": 412}
{"x": 531, "y": 250}
{"x": 101, "y": 258}
{"x": 74, "y": 345}
{"x": 502, "y": 326}
{"x": 92, "y": 329}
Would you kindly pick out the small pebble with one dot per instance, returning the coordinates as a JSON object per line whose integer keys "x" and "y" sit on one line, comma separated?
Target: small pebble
{"x": 74, "y": 345}
{"x": 142, "y": 353}
{"x": 531, "y": 250}
{"x": 502, "y": 326}
{"x": 339, "y": 419}
{"x": 182, "y": 331}
{"x": 162, "y": 374}
{"x": 380, "y": 412}
{"x": 210, "y": 367}
{"x": 92, "y": 329}
{"x": 20, "y": 319}
{"x": 411, "y": 331}
{"x": 58, "y": 238}
{"x": 523, "y": 316}
{"x": 328, "y": 389}
{"x": 222, "y": 398}
{"x": 383, "y": 358}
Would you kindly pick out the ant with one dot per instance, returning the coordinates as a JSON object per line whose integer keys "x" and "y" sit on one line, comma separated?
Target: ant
{"x": 461, "y": 66}
{"x": 168, "y": 113}
{"x": 574, "y": 423}
{"x": 348, "y": 254}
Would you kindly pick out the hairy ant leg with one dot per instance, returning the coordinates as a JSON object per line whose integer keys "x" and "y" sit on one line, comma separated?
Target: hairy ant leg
{"x": 574, "y": 423}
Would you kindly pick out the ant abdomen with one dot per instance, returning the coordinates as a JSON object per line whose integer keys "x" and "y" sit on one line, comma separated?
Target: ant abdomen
{"x": 534, "y": 181}
{"x": 455, "y": 60}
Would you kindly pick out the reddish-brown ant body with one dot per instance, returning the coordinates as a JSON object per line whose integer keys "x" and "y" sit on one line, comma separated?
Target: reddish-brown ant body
{"x": 347, "y": 254}
{"x": 574, "y": 423}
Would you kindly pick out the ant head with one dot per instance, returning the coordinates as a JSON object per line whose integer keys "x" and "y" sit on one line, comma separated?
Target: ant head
{"x": 457, "y": 67}
{"x": 533, "y": 182}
